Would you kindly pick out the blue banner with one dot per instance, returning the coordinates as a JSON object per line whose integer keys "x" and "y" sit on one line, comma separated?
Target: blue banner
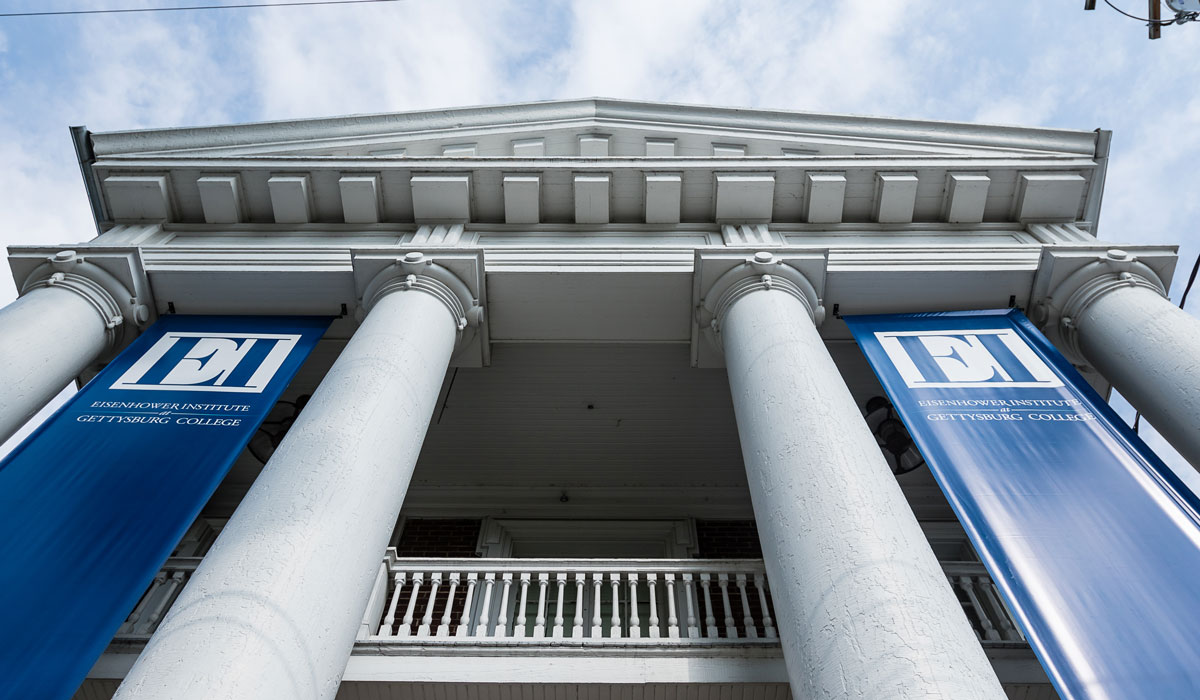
{"x": 94, "y": 501}
{"x": 1093, "y": 542}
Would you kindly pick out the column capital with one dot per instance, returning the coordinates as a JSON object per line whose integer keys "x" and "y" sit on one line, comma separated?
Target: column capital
{"x": 1071, "y": 281}
{"x": 121, "y": 311}
{"x": 724, "y": 277}
{"x": 454, "y": 278}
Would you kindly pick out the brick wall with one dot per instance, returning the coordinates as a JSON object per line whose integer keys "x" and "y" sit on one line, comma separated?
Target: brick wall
{"x": 727, "y": 539}
{"x": 423, "y": 537}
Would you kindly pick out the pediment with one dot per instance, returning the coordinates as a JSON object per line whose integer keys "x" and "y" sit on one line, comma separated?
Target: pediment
{"x": 596, "y": 128}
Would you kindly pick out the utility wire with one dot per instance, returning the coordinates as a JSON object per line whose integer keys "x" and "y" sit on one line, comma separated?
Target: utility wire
{"x": 189, "y": 7}
{"x": 1140, "y": 19}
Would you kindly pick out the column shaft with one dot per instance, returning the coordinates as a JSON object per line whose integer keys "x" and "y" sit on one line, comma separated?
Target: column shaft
{"x": 47, "y": 337}
{"x": 863, "y": 608}
{"x": 272, "y": 611}
{"x": 1150, "y": 350}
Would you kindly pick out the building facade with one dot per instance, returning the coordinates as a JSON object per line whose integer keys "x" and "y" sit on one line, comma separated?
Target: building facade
{"x": 587, "y": 422}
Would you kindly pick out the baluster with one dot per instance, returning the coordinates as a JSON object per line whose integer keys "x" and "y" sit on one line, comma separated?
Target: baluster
{"x": 597, "y": 621}
{"x": 444, "y": 625}
{"x": 747, "y": 616}
{"x": 730, "y": 624}
{"x": 464, "y": 622}
{"x": 615, "y": 630}
{"x": 170, "y": 589}
{"x": 481, "y": 627}
{"x": 130, "y": 626}
{"x": 577, "y": 629}
{"x": 389, "y": 620}
{"x": 760, "y": 582}
{"x": 689, "y": 590}
{"x": 558, "y": 616}
{"x": 635, "y": 623}
{"x": 435, "y": 580}
{"x": 654, "y": 631}
{"x": 988, "y": 631}
{"x": 539, "y": 623}
{"x": 502, "y": 616}
{"x": 406, "y": 624}
{"x": 519, "y": 627}
{"x": 1008, "y": 630}
{"x": 710, "y": 620}
{"x": 672, "y": 617}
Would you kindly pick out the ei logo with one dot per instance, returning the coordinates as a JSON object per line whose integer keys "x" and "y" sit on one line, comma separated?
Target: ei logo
{"x": 221, "y": 362}
{"x": 965, "y": 359}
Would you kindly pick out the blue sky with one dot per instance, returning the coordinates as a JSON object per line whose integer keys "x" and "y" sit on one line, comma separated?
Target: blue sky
{"x": 1032, "y": 63}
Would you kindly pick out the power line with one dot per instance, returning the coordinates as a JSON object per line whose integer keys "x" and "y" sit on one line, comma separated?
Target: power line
{"x": 1140, "y": 19}
{"x": 189, "y": 7}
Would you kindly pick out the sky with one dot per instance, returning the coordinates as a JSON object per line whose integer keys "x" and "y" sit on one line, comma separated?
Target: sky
{"x": 1030, "y": 63}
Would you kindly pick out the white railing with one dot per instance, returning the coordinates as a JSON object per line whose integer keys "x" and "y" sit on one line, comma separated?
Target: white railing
{"x": 589, "y": 600}
{"x": 981, "y": 602}
{"x": 159, "y": 597}
{"x": 524, "y": 600}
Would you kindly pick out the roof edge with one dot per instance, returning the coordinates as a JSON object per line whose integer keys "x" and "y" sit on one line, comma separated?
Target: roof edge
{"x": 1078, "y": 142}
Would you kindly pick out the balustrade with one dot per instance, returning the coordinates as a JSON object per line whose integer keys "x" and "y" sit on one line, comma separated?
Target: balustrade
{"x": 592, "y": 601}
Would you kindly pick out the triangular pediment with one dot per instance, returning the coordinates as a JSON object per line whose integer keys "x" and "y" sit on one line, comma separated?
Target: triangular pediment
{"x": 596, "y": 128}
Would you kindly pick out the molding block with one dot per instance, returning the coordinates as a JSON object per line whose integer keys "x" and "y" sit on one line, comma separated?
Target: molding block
{"x": 522, "y": 197}
{"x": 221, "y": 199}
{"x": 591, "y": 198}
{"x": 459, "y": 150}
{"x": 747, "y": 235}
{"x": 663, "y": 192}
{"x": 361, "y": 198}
{"x": 966, "y": 197}
{"x": 593, "y": 146}
{"x": 291, "y": 198}
{"x": 529, "y": 148}
{"x": 895, "y": 197}
{"x": 138, "y": 197}
{"x": 728, "y": 150}
{"x": 825, "y": 195}
{"x": 745, "y": 197}
{"x": 1048, "y": 196}
{"x": 441, "y": 198}
{"x": 660, "y": 148}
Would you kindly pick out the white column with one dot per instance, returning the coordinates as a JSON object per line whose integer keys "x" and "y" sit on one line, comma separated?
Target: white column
{"x": 272, "y": 612}
{"x": 863, "y": 607}
{"x": 70, "y": 312}
{"x": 1150, "y": 350}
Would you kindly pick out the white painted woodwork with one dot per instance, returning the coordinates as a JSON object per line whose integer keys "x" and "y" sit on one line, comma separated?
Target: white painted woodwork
{"x": 662, "y": 195}
{"x": 529, "y": 148}
{"x": 748, "y": 235}
{"x": 838, "y": 537}
{"x": 744, "y": 197}
{"x": 291, "y": 198}
{"x": 221, "y": 199}
{"x": 966, "y": 197}
{"x": 328, "y": 498}
{"x": 47, "y": 338}
{"x": 138, "y": 197}
{"x": 388, "y": 152}
{"x": 593, "y": 145}
{"x": 1048, "y": 196}
{"x": 1148, "y": 348}
{"x": 824, "y": 196}
{"x": 460, "y": 150}
{"x": 441, "y": 198}
{"x": 591, "y": 198}
{"x": 660, "y": 148}
{"x": 437, "y": 235}
{"x": 362, "y": 198}
{"x": 728, "y": 150}
{"x": 895, "y": 197}
{"x": 522, "y": 199}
